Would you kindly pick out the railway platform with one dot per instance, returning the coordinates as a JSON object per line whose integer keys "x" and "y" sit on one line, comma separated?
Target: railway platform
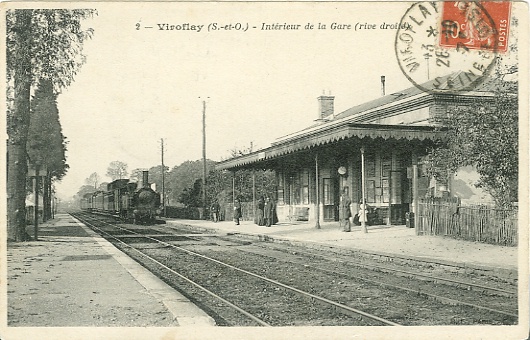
{"x": 385, "y": 241}
{"x": 72, "y": 277}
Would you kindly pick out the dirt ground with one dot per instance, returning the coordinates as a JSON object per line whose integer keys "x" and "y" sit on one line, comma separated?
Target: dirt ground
{"x": 41, "y": 291}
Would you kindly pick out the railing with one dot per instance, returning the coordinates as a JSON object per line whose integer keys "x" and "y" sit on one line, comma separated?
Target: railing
{"x": 473, "y": 223}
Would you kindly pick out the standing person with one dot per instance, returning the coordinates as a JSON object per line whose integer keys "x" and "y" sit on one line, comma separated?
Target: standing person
{"x": 215, "y": 211}
{"x": 344, "y": 211}
{"x": 260, "y": 218}
{"x": 237, "y": 211}
{"x": 269, "y": 212}
{"x": 363, "y": 213}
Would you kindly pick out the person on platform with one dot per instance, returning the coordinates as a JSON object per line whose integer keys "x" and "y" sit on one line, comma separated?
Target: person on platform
{"x": 345, "y": 212}
{"x": 215, "y": 211}
{"x": 269, "y": 212}
{"x": 363, "y": 213}
{"x": 237, "y": 211}
{"x": 260, "y": 217}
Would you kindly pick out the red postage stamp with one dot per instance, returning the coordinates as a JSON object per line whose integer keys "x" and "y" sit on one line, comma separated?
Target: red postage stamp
{"x": 481, "y": 25}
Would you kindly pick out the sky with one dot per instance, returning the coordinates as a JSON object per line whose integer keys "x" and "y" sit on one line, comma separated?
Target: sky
{"x": 141, "y": 85}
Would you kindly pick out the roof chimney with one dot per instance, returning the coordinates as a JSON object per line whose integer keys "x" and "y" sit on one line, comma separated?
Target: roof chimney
{"x": 383, "y": 86}
{"x": 325, "y": 106}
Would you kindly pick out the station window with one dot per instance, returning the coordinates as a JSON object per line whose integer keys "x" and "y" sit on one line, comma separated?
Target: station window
{"x": 305, "y": 187}
{"x": 326, "y": 183}
{"x": 295, "y": 189}
{"x": 369, "y": 163}
{"x": 370, "y": 191}
{"x": 386, "y": 165}
{"x": 280, "y": 192}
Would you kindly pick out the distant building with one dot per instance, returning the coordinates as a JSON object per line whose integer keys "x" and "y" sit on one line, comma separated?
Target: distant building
{"x": 392, "y": 133}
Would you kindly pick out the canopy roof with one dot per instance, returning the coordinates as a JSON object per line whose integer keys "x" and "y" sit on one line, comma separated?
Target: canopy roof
{"x": 357, "y": 122}
{"x": 329, "y": 134}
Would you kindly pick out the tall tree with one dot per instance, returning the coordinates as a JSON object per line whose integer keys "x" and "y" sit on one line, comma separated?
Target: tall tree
{"x": 136, "y": 175}
{"x": 40, "y": 44}
{"x": 117, "y": 170}
{"x": 93, "y": 180}
{"x": 46, "y": 146}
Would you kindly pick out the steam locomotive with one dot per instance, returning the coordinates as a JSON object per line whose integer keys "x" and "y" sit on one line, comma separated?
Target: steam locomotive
{"x": 124, "y": 199}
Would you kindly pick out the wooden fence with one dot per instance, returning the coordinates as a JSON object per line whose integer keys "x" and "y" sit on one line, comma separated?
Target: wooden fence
{"x": 473, "y": 223}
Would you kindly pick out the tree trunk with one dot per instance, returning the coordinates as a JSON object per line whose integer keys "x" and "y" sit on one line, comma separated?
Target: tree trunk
{"x": 50, "y": 196}
{"x": 46, "y": 212}
{"x": 18, "y": 124}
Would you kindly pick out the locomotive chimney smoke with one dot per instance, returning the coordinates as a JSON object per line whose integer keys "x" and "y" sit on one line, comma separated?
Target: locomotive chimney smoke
{"x": 383, "y": 86}
{"x": 145, "y": 179}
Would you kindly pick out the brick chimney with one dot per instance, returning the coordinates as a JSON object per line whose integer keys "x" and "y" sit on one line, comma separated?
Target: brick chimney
{"x": 325, "y": 107}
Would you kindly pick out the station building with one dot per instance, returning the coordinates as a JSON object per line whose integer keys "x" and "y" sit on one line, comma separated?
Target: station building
{"x": 379, "y": 144}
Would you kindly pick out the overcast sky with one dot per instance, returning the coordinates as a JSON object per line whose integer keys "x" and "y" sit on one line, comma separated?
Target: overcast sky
{"x": 142, "y": 85}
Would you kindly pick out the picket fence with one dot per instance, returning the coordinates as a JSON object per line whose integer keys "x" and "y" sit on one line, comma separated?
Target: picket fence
{"x": 473, "y": 223}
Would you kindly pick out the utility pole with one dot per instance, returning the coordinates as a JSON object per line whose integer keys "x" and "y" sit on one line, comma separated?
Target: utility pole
{"x": 163, "y": 177}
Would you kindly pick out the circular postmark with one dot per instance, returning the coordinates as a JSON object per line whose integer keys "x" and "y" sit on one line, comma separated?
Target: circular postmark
{"x": 446, "y": 46}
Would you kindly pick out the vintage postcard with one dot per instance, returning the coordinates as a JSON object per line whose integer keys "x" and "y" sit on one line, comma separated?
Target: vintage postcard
{"x": 265, "y": 170}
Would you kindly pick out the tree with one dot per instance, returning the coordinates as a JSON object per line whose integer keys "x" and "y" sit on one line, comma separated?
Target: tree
{"x": 184, "y": 176}
{"x": 484, "y": 135}
{"x": 191, "y": 197}
{"x": 117, "y": 170}
{"x": 46, "y": 146}
{"x": 155, "y": 176}
{"x": 85, "y": 189}
{"x": 40, "y": 44}
{"x": 93, "y": 180}
{"x": 136, "y": 175}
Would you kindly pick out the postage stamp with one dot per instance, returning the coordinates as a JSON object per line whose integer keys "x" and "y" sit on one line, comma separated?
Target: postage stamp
{"x": 468, "y": 24}
{"x": 451, "y": 46}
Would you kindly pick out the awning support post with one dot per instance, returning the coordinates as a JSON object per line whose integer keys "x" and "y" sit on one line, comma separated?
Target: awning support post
{"x": 363, "y": 189}
{"x": 254, "y": 195}
{"x": 317, "y": 198}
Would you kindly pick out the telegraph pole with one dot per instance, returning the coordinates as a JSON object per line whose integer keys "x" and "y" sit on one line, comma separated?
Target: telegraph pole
{"x": 163, "y": 177}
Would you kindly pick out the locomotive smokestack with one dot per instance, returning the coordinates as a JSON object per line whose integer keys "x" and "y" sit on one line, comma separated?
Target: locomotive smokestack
{"x": 383, "y": 86}
{"x": 145, "y": 179}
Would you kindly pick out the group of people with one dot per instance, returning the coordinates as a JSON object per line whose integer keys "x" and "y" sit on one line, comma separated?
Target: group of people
{"x": 345, "y": 213}
{"x": 265, "y": 212}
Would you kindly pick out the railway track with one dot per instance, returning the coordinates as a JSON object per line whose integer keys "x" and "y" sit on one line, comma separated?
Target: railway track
{"x": 366, "y": 293}
{"x": 302, "y": 300}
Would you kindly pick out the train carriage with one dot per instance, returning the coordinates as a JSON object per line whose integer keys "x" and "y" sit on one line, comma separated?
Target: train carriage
{"x": 126, "y": 200}
{"x": 86, "y": 202}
